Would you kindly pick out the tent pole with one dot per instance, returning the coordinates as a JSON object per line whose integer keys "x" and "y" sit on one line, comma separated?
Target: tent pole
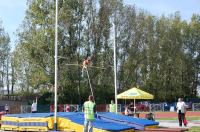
{"x": 134, "y": 106}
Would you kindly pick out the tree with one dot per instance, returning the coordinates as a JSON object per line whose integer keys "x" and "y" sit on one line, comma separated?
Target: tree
{"x": 158, "y": 54}
{"x": 4, "y": 59}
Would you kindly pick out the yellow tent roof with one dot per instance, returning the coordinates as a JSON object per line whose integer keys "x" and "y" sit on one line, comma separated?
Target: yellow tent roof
{"x": 135, "y": 93}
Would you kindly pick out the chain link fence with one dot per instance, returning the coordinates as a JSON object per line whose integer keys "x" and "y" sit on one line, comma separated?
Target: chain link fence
{"x": 156, "y": 107}
{"x": 25, "y": 108}
{"x": 102, "y": 108}
{"x": 66, "y": 108}
{"x": 196, "y": 107}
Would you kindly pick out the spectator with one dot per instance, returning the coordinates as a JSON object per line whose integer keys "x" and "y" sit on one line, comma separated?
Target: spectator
{"x": 7, "y": 108}
{"x": 34, "y": 106}
{"x": 67, "y": 108}
{"x": 112, "y": 107}
{"x": 127, "y": 111}
{"x": 181, "y": 109}
{"x": 75, "y": 109}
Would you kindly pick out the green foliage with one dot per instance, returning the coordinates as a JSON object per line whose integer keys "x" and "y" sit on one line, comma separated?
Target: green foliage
{"x": 46, "y": 98}
{"x": 5, "y": 58}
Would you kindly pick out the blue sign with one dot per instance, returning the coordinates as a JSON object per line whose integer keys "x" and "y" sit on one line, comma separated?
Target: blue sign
{"x": 133, "y": 94}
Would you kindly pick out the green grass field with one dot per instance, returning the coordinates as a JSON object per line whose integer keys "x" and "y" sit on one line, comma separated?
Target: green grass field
{"x": 194, "y": 129}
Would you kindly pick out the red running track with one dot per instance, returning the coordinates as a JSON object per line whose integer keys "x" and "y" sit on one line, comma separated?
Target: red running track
{"x": 171, "y": 114}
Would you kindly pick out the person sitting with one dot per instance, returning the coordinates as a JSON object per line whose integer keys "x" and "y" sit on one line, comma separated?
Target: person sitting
{"x": 127, "y": 111}
{"x": 67, "y": 108}
{"x": 150, "y": 116}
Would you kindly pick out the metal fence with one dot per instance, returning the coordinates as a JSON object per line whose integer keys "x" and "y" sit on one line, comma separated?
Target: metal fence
{"x": 25, "y": 108}
{"x": 156, "y": 107}
{"x": 196, "y": 107}
{"x": 105, "y": 108}
{"x": 50, "y": 108}
{"x": 66, "y": 107}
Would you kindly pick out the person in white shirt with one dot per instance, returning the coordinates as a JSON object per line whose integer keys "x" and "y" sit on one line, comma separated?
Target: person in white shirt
{"x": 181, "y": 109}
{"x": 127, "y": 111}
{"x": 34, "y": 106}
{"x": 7, "y": 108}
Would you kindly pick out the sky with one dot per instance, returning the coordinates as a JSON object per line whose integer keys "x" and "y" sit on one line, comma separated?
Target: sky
{"x": 12, "y": 12}
{"x": 166, "y": 7}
